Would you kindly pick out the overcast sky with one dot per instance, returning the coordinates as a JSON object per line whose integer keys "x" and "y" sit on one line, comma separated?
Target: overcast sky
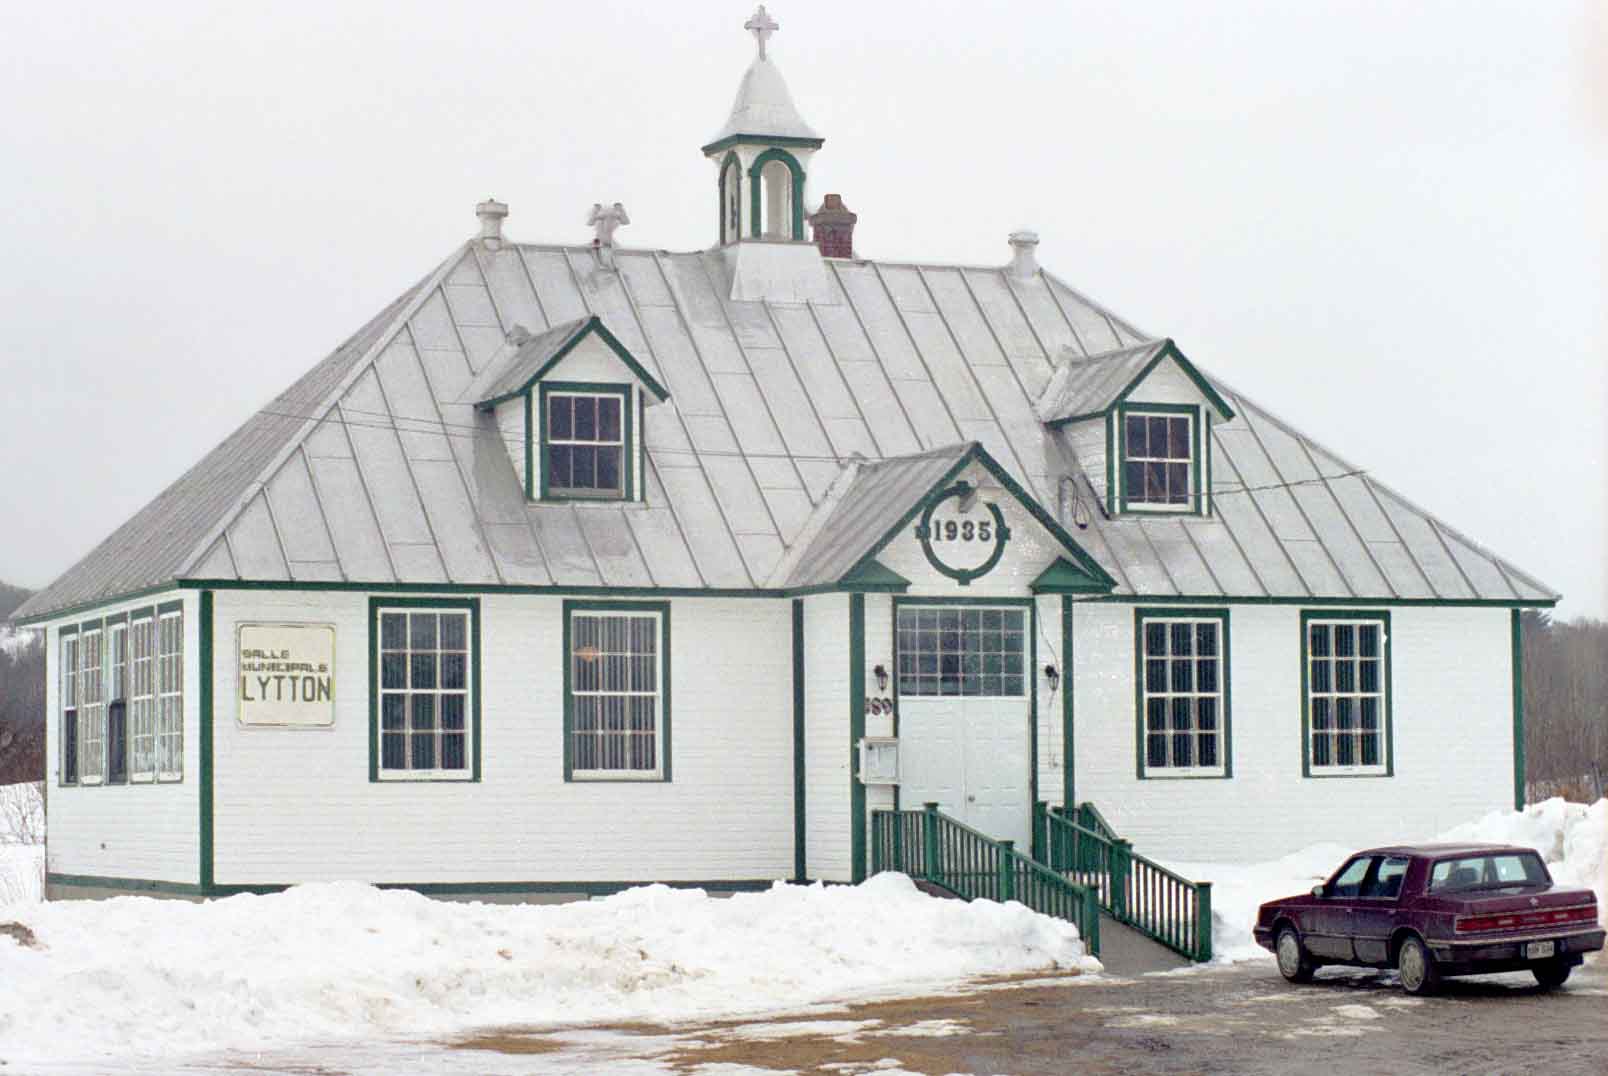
{"x": 1383, "y": 221}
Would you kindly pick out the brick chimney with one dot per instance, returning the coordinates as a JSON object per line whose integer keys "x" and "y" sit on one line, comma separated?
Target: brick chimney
{"x": 833, "y": 226}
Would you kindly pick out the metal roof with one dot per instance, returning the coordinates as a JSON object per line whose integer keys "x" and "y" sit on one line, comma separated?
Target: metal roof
{"x": 1085, "y": 387}
{"x": 508, "y": 374}
{"x": 377, "y": 466}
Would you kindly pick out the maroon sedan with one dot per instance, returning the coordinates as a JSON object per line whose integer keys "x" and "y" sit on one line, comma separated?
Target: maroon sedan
{"x": 1434, "y": 910}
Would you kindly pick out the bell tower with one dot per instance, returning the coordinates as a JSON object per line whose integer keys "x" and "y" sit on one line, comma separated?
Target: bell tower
{"x": 761, "y": 154}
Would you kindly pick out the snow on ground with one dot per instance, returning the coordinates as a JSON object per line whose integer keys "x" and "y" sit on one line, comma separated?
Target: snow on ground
{"x": 1571, "y": 837}
{"x": 342, "y": 960}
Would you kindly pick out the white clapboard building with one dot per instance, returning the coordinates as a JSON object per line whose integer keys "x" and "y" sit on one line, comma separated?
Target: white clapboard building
{"x": 583, "y": 565}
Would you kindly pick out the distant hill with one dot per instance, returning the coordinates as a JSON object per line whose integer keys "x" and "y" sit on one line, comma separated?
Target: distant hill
{"x": 11, "y": 597}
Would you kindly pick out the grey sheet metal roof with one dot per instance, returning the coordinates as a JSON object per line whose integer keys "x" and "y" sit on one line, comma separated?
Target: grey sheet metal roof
{"x": 510, "y": 373}
{"x": 1086, "y": 387}
{"x": 376, "y": 467}
{"x": 857, "y": 516}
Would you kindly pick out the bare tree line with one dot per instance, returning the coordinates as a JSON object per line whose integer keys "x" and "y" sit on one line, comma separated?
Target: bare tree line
{"x": 1565, "y": 706}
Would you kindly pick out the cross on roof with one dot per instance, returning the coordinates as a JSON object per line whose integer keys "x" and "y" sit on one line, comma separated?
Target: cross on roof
{"x": 761, "y": 25}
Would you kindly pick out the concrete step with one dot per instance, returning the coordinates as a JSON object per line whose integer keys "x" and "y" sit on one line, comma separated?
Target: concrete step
{"x": 1125, "y": 951}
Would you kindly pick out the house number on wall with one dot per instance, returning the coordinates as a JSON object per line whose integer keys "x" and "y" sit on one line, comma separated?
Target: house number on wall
{"x": 958, "y": 540}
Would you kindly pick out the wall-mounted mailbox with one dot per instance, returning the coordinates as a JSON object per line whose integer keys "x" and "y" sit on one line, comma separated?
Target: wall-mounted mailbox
{"x": 879, "y": 760}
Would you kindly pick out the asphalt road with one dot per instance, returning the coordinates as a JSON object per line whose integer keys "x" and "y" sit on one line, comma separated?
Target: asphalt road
{"x": 1236, "y": 1020}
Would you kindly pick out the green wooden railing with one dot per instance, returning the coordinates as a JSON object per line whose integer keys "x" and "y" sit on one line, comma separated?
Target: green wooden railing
{"x": 1138, "y": 892}
{"x": 932, "y": 846}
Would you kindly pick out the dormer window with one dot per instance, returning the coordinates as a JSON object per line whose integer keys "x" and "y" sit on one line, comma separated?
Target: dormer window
{"x": 586, "y": 441}
{"x": 1159, "y": 461}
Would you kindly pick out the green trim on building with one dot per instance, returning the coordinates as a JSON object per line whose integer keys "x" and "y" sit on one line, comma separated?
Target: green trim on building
{"x": 1226, "y": 718}
{"x": 630, "y": 456}
{"x": 480, "y": 589}
{"x": 1068, "y": 710}
{"x": 530, "y": 448}
{"x": 594, "y": 324}
{"x": 856, "y": 733}
{"x": 132, "y": 885}
{"x": 1199, "y": 465}
{"x": 204, "y": 748}
{"x": 375, "y": 606}
{"x": 762, "y": 140}
{"x": 800, "y": 825}
{"x": 1309, "y": 601}
{"x": 727, "y": 236}
{"x": 98, "y": 603}
{"x": 873, "y": 575}
{"x": 1169, "y": 350}
{"x": 1383, "y": 616}
{"x": 1064, "y": 577}
{"x": 663, "y": 609}
{"x": 429, "y": 889}
{"x": 1519, "y": 773}
{"x": 756, "y": 224}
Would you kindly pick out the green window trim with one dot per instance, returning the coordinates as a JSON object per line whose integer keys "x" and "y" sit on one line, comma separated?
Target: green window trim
{"x": 662, "y": 608}
{"x": 756, "y": 222}
{"x": 1165, "y": 614}
{"x": 377, "y": 605}
{"x": 536, "y": 441}
{"x": 1387, "y": 649}
{"x": 1200, "y": 502}
{"x": 729, "y": 230}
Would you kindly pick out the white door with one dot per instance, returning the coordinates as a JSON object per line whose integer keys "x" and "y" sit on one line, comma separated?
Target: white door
{"x": 964, "y": 713}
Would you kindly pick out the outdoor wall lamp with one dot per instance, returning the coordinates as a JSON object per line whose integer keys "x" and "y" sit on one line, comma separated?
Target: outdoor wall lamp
{"x": 1053, "y": 675}
{"x": 881, "y": 673}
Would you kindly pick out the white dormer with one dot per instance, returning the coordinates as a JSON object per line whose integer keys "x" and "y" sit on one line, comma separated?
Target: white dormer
{"x": 1139, "y": 420}
{"x": 569, "y": 403}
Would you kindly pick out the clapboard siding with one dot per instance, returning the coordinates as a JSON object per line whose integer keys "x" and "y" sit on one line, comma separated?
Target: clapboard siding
{"x": 826, "y": 737}
{"x": 297, "y": 805}
{"x": 143, "y": 831}
{"x": 1453, "y": 729}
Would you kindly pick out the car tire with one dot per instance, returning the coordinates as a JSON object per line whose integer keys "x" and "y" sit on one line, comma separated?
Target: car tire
{"x": 1295, "y": 964}
{"x": 1416, "y": 967}
{"x": 1552, "y": 974}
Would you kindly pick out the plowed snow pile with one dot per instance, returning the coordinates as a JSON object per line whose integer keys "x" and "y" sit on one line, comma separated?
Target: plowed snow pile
{"x": 332, "y": 961}
{"x": 1571, "y": 837}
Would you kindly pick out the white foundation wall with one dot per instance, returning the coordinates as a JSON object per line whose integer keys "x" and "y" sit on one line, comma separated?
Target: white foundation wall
{"x": 1452, "y": 726}
{"x": 140, "y": 832}
{"x": 828, "y": 828}
{"x": 297, "y": 804}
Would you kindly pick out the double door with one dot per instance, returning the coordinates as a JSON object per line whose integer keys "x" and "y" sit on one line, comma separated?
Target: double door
{"x": 965, "y": 708}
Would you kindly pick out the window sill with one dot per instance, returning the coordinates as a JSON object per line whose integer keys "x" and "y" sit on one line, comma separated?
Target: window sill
{"x": 422, "y": 777}
{"x": 615, "y": 777}
{"x": 1182, "y": 774}
{"x": 1349, "y": 771}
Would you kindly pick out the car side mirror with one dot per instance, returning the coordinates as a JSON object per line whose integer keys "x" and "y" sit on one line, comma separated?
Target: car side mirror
{"x": 1317, "y": 891}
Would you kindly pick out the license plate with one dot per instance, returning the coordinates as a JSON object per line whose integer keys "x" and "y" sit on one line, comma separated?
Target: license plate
{"x": 1539, "y": 950}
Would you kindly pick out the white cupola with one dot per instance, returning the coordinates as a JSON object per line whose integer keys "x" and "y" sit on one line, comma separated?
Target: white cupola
{"x": 762, "y": 151}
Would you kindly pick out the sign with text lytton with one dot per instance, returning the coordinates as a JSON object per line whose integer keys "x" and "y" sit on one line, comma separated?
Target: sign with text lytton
{"x": 287, "y": 675}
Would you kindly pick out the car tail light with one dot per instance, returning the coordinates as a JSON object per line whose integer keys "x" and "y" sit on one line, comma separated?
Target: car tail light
{"x": 1534, "y": 920}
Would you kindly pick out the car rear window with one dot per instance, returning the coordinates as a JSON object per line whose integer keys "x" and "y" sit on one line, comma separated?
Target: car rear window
{"x": 1497, "y": 871}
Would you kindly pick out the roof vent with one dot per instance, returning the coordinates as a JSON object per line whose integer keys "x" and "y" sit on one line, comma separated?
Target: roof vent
{"x": 603, "y": 221}
{"x": 833, "y": 226}
{"x": 1024, "y": 259}
{"x": 491, "y": 213}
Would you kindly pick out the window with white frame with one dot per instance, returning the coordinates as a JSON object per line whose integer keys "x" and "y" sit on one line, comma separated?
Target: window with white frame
{"x": 170, "y": 696}
{"x": 1347, "y": 707}
{"x": 69, "y": 709}
{"x": 1158, "y": 460}
{"x": 585, "y": 447}
{"x": 142, "y": 699}
{"x": 91, "y": 709}
{"x": 1183, "y": 693}
{"x": 616, "y": 704}
{"x": 425, "y": 686}
{"x": 117, "y": 703}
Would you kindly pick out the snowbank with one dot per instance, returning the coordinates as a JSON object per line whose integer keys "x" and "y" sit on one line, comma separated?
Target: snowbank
{"x": 1571, "y": 837}
{"x": 332, "y": 961}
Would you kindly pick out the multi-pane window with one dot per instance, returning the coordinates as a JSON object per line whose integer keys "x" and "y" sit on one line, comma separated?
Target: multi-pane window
{"x": 117, "y": 705}
{"x": 1183, "y": 694}
{"x": 617, "y": 693}
{"x": 586, "y": 444}
{"x": 424, "y": 689}
{"x": 946, "y": 650}
{"x": 142, "y": 698}
{"x": 1158, "y": 460}
{"x": 91, "y": 709}
{"x": 1346, "y": 703}
{"x": 69, "y": 709}
{"x": 170, "y": 697}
